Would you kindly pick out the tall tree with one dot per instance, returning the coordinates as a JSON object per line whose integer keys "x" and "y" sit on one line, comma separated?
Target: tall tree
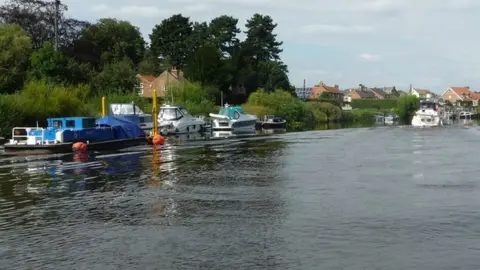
{"x": 115, "y": 77}
{"x": 171, "y": 39}
{"x": 261, "y": 41}
{"x": 37, "y": 18}
{"x": 224, "y": 31}
{"x": 205, "y": 65}
{"x": 116, "y": 40}
{"x": 15, "y": 50}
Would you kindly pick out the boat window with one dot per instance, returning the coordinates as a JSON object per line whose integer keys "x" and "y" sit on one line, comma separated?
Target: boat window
{"x": 426, "y": 105}
{"x": 170, "y": 114}
{"x": 70, "y": 123}
{"x": 88, "y": 123}
{"x": 236, "y": 115}
{"x": 57, "y": 124}
{"x": 184, "y": 112}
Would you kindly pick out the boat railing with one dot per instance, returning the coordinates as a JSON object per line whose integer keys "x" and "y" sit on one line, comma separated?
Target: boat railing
{"x": 26, "y": 130}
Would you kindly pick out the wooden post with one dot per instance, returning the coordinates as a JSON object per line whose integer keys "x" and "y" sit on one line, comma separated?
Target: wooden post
{"x": 154, "y": 112}
{"x": 104, "y": 106}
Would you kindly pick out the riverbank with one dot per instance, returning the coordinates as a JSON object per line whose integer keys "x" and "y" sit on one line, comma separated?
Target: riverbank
{"x": 39, "y": 100}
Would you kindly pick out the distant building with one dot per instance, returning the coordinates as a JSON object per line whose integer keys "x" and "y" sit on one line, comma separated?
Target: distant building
{"x": 421, "y": 93}
{"x": 146, "y": 83}
{"x": 303, "y": 93}
{"x": 332, "y": 91}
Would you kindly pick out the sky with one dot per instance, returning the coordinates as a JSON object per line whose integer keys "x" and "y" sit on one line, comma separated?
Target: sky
{"x": 427, "y": 43}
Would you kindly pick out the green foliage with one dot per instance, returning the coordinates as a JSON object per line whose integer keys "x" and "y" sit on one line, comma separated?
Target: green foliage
{"x": 407, "y": 105}
{"x": 15, "y": 50}
{"x": 116, "y": 40}
{"x": 378, "y": 104}
{"x": 198, "y": 100}
{"x": 283, "y": 104}
{"x": 117, "y": 77}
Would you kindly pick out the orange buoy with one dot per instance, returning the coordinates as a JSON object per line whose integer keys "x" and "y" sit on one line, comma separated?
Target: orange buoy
{"x": 80, "y": 146}
{"x": 158, "y": 140}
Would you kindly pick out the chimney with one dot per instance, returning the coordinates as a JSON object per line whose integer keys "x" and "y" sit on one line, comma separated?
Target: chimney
{"x": 174, "y": 72}
{"x": 468, "y": 87}
{"x": 321, "y": 83}
{"x": 336, "y": 86}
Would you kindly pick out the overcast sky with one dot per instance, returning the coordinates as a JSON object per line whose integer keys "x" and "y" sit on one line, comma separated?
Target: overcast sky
{"x": 428, "y": 43}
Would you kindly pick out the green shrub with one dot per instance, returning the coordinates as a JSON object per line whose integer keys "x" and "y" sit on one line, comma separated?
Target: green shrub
{"x": 406, "y": 107}
{"x": 378, "y": 104}
{"x": 196, "y": 99}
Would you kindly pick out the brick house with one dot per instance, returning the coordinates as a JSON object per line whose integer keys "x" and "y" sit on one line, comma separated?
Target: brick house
{"x": 460, "y": 94}
{"x": 361, "y": 94}
{"x": 379, "y": 93}
{"x": 148, "y": 82}
{"x": 333, "y": 91}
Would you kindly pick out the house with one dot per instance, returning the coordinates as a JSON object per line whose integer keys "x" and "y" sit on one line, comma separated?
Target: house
{"x": 333, "y": 91}
{"x": 379, "y": 93}
{"x": 361, "y": 94}
{"x": 148, "y": 82}
{"x": 421, "y": 93}
{"x": 392, "y": 91}
{"x": 461, "y": 94}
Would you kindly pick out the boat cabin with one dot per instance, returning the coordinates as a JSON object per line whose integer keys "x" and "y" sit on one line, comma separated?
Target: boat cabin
{"x": 425, "y": 105}
{"x": 125, "y": 109}
{"x": 71, "y": 123}
{"x": 232, "y": 112}
{"x": 172, "y": 113}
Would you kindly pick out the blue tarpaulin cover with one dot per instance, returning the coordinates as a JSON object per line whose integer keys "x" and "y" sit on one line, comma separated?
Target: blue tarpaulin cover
{"x": 124, "y": 128}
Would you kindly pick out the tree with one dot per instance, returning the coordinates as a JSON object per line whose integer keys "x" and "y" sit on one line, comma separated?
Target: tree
{"x": 170, "y": 39}
{"x": 15, "y": 50}
{"x": 37, "y": 18}
{"x": 46, "y": 63}
{"x": 204, "y": 67}
{"x": 116, "y": 40}
{"x": 407, "y": 105}
{"x": 223, "y": 30}
{"x": 116, "y": 77}
{"x": 261, "y": 41}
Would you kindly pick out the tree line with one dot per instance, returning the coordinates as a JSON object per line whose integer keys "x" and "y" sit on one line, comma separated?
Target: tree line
{"x": 107, "y": 54}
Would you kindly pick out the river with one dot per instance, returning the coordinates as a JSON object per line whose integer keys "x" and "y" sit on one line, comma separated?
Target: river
{"x": 365, "y": 198}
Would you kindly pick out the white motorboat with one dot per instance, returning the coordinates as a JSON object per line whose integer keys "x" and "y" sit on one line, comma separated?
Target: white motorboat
{"x": 428, "y": 115}
{"x": 134, "y": 114}
{"x": 465, "y": 115}
{"x": 233, "y": 119}
{"x": 177, "y": 120}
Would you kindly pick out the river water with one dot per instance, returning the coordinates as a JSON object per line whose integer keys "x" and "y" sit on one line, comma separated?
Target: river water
{"x": 367, "y": 198}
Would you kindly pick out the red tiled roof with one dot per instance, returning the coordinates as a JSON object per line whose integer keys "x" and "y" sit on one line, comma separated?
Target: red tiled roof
{"x": 461, "y": 90}
{"x": 475, "y": 96}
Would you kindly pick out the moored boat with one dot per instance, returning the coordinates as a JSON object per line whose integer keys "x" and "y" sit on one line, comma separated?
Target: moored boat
{"x": 177, "y": 120}
{"x": 106, "y": 133}
{"x": 233, "y": 119}
{"x": 133, "y": 113}
{"x": 273, "y": 122}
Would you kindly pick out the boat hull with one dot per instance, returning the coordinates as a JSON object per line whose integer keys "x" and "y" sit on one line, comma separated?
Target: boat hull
{"x": 426, "y": 121}
{"x": 61, "y": 148}
{"x": 274, "y": 125}
{"x": 234, "y": 126}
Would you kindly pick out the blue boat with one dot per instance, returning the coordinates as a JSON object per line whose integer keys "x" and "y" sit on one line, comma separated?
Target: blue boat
{"x": 133, "y": 113}
{"x": 106, "y": 133}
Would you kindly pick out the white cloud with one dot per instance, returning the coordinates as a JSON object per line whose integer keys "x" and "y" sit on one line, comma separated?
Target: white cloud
{"x": 434, "y": 38}
{"x": 370, "y": 57}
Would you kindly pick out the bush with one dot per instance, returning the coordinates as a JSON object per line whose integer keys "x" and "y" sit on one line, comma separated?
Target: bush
{"x": 406, "y": 107}
{"x": 196, "y": 99}
{"x": 281, "y": 103}
{"x": 378, "y": 104}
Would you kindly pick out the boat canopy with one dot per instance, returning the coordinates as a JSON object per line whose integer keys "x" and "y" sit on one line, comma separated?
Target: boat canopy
{"x": 125, "y": 109}
{"x": 125, "y": 129}
{"x": 232, "y": 112}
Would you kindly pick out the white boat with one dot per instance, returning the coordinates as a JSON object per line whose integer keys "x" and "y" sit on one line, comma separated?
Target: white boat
{"x": 465, "y": 115}
{"x": 133, "y": 113}
{"x": 177, "y": 120}
{"x": 428, "y": 115}
{"x": 233, "y": 119}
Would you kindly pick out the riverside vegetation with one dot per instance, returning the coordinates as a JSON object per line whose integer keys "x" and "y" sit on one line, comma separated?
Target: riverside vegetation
{"x": 39, "y": 80}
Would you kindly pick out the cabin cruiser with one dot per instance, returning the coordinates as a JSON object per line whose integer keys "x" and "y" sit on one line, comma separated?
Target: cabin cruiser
{"x": 176, "y": 120}
{"x": 273, "y": 122}
{"x": 233, "y": 119}
{"x": 134, "y": 114}
{"x": 428, "y": 115}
